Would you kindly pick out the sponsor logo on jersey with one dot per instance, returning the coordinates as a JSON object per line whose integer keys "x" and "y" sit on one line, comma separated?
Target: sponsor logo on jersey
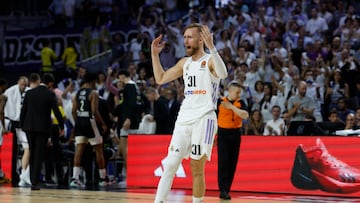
{"x": 195, "y": 92}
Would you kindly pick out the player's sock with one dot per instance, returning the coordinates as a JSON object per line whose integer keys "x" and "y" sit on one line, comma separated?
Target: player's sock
{"x": 197, "y": 199}
{"x": 76, "y": 173}
{"x": 102, "y": 173}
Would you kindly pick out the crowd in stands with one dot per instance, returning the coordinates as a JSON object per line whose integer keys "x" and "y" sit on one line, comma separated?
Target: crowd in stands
{"x": 296, "y": 60}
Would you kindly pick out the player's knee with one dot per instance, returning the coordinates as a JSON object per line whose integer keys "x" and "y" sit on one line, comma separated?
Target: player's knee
{"x": 197, "y": 167}
{"x": 172, "y": 162}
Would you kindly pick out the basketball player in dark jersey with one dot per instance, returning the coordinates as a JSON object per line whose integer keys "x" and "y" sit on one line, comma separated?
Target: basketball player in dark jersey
{"x": 86, "y": 115}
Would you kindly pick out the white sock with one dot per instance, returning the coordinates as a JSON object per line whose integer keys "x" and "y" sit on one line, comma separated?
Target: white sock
{"x": 76, "y": 172}
{"x": 102, "y": 173}
{"x": 23, "y": 171}
{"x": 197, "y": 199}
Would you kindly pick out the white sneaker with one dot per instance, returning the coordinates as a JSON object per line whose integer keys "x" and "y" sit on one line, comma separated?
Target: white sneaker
{"x": 22, "y": 183}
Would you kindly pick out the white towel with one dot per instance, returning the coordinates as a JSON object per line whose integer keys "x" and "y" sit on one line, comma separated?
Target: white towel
{"x": 13, "y": 103}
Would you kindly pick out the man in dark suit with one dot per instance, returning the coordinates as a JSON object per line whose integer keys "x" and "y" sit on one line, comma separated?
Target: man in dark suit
{"x": 35, "y": 120}
{"x": 158, "y": 109}
{"x": 174, "y": 106}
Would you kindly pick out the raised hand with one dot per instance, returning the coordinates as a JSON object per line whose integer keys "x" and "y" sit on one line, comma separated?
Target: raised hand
{"x": 207, "y": 36}
{"x": 157, "y": 45}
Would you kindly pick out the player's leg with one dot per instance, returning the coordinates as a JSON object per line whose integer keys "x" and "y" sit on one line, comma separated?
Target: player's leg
{"x": 97, "y": 143}
{"x": 202, "y": 139}
{"x": 81, "y": 142}
{"x": 123, "y": 145}
{"x": 25, "y": 170}
{"x": 177, "y": 151}
{"x": 198, "y": 175}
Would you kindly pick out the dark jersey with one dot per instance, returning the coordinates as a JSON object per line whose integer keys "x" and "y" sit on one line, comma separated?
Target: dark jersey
{"x": 130, "y": 105}
{"x": 84, "y": 123}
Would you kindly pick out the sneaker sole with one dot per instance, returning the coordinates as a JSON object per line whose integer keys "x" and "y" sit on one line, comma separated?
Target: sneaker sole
{"x": 330, "y": 184}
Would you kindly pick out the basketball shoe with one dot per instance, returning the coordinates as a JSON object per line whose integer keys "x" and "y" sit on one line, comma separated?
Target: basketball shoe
{"x": 315, "y": 168}
{"x": 76, "y": 183}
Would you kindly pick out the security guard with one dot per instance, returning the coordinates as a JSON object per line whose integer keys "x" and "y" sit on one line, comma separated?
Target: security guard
{"x": 48, "y": 57}
{"x": 231, "y": 112}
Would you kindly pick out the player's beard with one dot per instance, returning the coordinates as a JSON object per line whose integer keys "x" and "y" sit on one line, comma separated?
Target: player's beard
{"x": 192, "y": 50}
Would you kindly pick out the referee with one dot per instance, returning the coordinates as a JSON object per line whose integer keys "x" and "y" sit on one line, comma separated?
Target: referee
{"x": 231, "y": 111}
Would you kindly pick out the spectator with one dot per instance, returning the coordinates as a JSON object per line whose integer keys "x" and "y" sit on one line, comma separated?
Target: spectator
{"x": 118, "y": 51}
{"x": 286, "y": 118}
{"x": 357, "y": 118}
{"x": 313, "y": 90}
{"x": 147, "y": 22}
{"x": 69, "y": 13}
{"x": 135, "y": 48}
{"x": 144, "y": 64}
{"x": 256, "y": 124}
{"x": 316, "y": 26}
{"x": 56, "y": 10}
{"x": 336, "y": 88}
{"x": 244, "y": 56}
{"x": 342, "y": 108}
{"x": 257, "y": 94}
{"x": 174, "y": 33}
{"x": 253, "y": 75}
{"x": 267, "y": 102}
{"x": 167, "y": 56}
{"x": 300, "y": 106}
{"x": 350, "y": 122}
{"x": 276, "y": 125}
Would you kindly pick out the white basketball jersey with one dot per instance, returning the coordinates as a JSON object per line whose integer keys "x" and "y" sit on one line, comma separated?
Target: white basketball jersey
{"x": 201, "y": 90}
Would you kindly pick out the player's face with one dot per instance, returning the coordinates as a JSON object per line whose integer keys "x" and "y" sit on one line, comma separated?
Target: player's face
{"x": 191, "y": 41}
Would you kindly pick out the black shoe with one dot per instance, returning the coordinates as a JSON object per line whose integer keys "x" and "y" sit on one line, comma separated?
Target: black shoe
{"x": 35, "y": 187}
{"x": 50, "y": 183}
{"x": 225, "y": 196}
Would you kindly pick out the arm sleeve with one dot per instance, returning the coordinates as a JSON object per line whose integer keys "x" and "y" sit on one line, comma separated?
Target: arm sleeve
{"x": 220, "y": 67}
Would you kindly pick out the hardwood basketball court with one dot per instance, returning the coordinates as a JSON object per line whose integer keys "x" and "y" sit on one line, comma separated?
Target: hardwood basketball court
{"x": 10, "y": 194}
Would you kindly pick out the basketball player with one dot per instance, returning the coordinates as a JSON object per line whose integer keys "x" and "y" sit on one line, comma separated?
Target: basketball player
{"x": 11, "y": 103}
{"x": 196, "y": 123}
{"x": 86, "y": 115}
